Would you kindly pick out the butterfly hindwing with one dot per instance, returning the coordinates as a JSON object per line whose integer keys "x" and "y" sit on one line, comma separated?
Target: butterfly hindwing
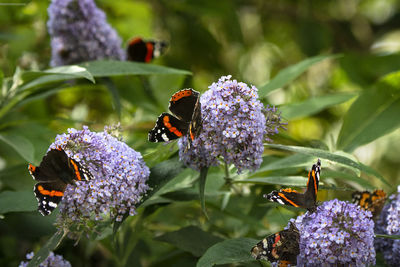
{"x": 167, "y": 128}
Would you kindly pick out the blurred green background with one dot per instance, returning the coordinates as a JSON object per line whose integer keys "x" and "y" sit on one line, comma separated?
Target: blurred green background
{"x": 252, "y": 40}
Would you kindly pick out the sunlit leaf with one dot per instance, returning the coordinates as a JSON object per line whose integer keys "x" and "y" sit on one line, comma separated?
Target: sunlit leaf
{"x": 313, "y": 105}
{"x": 332, "y": 157}
{"x": 290, "y": 73}
{"x": 374, "y": 114}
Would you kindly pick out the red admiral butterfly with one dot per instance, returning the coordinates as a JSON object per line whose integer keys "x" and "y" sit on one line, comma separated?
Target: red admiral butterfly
{"x": 293, "y": 198}
{"x": 144, "y": 51}
{"x": 282, "y": 246}
{"x": 185, "y": 105}
{"x": 53, "y": 174}
{"x": 373, "y": 202}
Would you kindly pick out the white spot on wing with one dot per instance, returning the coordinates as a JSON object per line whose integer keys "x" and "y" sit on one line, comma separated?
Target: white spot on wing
{"x": 52, "y": 204}
{"x": 164, "y": 137}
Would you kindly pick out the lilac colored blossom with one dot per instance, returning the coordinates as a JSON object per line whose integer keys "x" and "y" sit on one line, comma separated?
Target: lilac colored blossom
{"x": 79, "y": 32}
{"x": 52, "y": 260}
{"x": 234, "y": 126}
{"x": 393, "y": 216}
{"x": 119, "y": 182}
{"x": 389, "y": 248}
{"x": 337, "y": 233}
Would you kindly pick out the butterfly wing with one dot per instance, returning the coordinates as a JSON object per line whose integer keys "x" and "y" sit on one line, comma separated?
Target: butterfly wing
{"x": 167, "y": 128}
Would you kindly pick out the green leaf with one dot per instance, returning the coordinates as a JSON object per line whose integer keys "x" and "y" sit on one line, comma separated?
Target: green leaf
{"x": 374, "y": 114}
{"x": 121, "y": 68}
{"x": 202, "y": 185}
{"x": 277, "y": 180}
{"x": 228, "y": 251}
{"x": 78, "y": 71}
{"x": 17, "y": 201}
{"x": 290, "y": 73}
{"x": 332, "y": 157}
{"x": 387, "y": 236}
{"x": 338, "y": 175}
{"x": 296, "y": 160}
{"x": 106, "y": 68}
{"x": 184, "y": 240}
{"x": 313, "y": 105}
{"x": 44, "y": 252}
{"x": 21, "y": 145}
{"x": 1, "y": 79}
{"x": 114, "y": 94}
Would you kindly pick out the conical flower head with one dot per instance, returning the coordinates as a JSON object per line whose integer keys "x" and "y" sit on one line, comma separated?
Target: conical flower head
{"x": 79, "y": 32}
{"x": 337, "y": 233}
{"x": 234, "y": 126}
{"x": 119, "y": 178}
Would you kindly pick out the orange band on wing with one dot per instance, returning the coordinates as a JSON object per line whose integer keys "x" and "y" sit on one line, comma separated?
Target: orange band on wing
{"x": 149, "y": 55}
{"x": 181, "y": 94}
{"x": 288, "y": 200}
{"x": 51, "y": 193}
{"x": 172, "y": 129}
{"x": 76, "y": 169}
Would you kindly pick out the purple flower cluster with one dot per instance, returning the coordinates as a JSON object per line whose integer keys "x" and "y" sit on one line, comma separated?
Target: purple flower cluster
{"x": 393, "y": 216}
{"x": 52, "y": 260}
{"x": 119, "y": 172}
{"x": 338, "y": 233}
{"x": 234, "y": 126}
{"x": 386, "y": 222}
{"x": 79, "y": 32}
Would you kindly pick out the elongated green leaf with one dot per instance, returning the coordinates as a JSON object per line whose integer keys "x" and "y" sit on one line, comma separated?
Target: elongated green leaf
{"x": 114, "y": 94}
{"x": 20, "y": 145}
{"x": 202, "y": 185}
{"x": 44, "y": 252}
{"x": 183, "y": 239}
{"x": 290, "y": 73}
{"x": 78, "y": 71}
{"x": 387, "y": 236}
{"x": 228, "y": 251}
{"x": 337, "y": 175}
{"x": 313, "y": 105}
{"x": 296, "y": 160}
{"x": 106, "y": 68}
{"x": 374, "y": 114}
{"x": 17, "y": 201}
{"x": 278, "y": 180}
{"x": 332, "y": 157}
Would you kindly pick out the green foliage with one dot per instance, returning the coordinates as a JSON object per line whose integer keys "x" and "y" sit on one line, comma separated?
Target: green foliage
{"x": 343, "y": 108}
{"x": 228, "y": 251}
